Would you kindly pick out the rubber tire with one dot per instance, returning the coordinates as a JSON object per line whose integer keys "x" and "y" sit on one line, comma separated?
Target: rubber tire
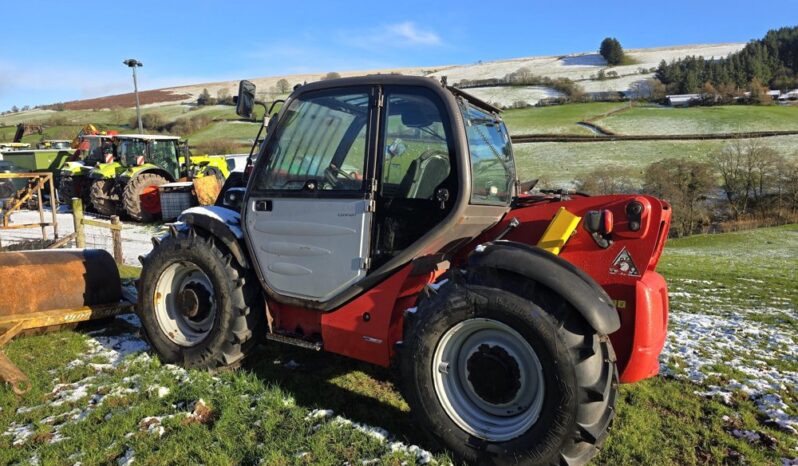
{"x": 100, "y": 190}
{"x": 130, "y": 196}
{"x": 240, "y": 313}
{"x": 66, "y": 189}
{"x": 581, "y": 378}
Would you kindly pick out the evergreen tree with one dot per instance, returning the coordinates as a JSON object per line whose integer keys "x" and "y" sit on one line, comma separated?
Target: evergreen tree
{"x": 612, "y": 51}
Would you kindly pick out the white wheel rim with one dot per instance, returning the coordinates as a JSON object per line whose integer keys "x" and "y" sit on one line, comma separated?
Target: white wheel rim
{"x": 488, "y": 379}
{"x": 175, "y": 321}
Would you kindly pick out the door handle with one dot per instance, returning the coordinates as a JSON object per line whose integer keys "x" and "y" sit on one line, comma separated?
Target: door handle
{"x": 263, "y": 206}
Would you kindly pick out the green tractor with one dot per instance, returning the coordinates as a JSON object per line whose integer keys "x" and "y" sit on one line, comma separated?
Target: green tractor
{"x": 92, "y": 149}
{"x": 143, "y": 163}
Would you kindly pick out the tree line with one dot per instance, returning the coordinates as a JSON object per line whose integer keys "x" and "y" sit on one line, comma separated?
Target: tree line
{"x": 771, "y": 61}
{"x": 745, "y": 182}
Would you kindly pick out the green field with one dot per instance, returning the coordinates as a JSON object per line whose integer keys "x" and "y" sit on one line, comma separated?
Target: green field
{"x": 560, "y": 163}
{"x": 701, "y": 120}
{"x": 558, "y": 119}
{"x": 97, "y": 399}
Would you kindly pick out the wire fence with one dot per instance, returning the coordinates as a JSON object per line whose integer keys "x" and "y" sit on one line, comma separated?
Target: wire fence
{"x": 97, "y": 233}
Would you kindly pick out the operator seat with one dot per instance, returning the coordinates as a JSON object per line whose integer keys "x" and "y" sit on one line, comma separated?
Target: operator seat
{"x": 424, "y": 175}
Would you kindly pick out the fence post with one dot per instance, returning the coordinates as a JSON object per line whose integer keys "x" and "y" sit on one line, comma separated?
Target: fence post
{"x": 116, "y": 238}
{"x": 77, "y": 217}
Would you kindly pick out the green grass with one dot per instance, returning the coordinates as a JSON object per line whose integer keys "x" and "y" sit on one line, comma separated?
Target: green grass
{"x": 117, "y": 116}
{"x": 239, "y": 131}
{"x": 261, "y": 413}
{"x": 700, "y": 120}
{"x": 560, "y": 163}
{"x": 558, "y": 119}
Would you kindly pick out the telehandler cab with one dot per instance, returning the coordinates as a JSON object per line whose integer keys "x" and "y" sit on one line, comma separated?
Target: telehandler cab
{"x": 382, "y": 220}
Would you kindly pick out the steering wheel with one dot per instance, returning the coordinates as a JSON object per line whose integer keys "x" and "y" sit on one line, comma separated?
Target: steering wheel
{"x": 332, "y": 174}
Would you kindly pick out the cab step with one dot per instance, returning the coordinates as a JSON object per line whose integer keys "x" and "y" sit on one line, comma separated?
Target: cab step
{"x": 294, "y": 340}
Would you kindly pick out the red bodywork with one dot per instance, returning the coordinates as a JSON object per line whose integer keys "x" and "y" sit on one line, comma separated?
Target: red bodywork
{"x": 368, "y": 327}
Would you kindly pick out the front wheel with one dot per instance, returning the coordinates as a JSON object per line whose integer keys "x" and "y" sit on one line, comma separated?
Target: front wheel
{"x": 499, "y": 379}
{"x": 140, "y": 197}
{"x": 197, "y": 307}
{"x": 103, "y": 197}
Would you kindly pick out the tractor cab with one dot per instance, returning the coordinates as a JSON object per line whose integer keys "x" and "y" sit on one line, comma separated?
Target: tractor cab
{"x": 373, "y": 172}
{"x": 96, "y": 149}
{"x": 139, "y": 150}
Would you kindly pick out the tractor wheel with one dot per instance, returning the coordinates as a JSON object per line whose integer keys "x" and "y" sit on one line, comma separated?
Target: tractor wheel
{"x": 66, "y": 189}
{"x": 198, "y": 308}
{"x": 142, "y": 184}
{"x": 102, "y": 197}
{"x": 500, "y": 379}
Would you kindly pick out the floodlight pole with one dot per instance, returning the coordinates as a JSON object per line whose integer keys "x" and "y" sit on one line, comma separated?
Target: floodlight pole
{"x": 133, "y": 63}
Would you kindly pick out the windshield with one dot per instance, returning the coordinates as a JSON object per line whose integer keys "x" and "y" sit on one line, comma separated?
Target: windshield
{"x": 130, "y": 150}
{"x": 320, "y": 144}
{"x": 492, "y": 166}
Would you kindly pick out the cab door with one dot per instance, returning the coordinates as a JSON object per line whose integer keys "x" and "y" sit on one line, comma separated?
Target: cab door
{"x": 309, "y": 212}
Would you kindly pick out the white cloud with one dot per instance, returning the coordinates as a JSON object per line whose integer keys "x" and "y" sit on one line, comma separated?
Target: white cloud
{"x": 396, "y": 35}
{"x": 409, "y": 32}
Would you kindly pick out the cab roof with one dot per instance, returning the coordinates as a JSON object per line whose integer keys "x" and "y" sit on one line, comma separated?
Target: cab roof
{"x": 153, "y": 137}
{"x": 397, "y": 80}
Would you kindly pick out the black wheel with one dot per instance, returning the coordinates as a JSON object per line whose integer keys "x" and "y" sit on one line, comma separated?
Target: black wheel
{"x": 197, "y": 307}
{"x": 103, "y": 197}
{"x": 134, "y": 189}
{"x": 502, "y": 379}
{"x": 214, "y": 172}
{"x": 66, "y": 189}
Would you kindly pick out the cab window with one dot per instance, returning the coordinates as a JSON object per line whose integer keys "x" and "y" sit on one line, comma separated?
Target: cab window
{"x": 416, "y": 156}
{"x": 492, "y": 167}
{"x": 321, "y": 144}
{"x": 164, "y": 154}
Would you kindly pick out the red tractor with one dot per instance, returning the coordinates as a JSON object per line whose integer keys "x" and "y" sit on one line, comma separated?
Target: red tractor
{"x": 383, "y": 220}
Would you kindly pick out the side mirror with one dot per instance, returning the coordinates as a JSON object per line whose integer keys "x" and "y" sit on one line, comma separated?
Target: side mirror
{"x": 246, "y": 99}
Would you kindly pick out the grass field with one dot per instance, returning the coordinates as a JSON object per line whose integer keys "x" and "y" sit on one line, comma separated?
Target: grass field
{"x": 558, "y": 119}
{"x": 559, "y": 163}
{"x": 730, "y": 393}
{"x": 698, "y": 120}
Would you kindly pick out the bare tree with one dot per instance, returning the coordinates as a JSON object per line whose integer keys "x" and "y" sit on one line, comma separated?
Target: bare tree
{"x": 331, "y": 75}
{"x": 606, "y": 180}
{"x": 686, "y": 185}
{"x": 749, "y": 173}
{"x": 283, "y": 86}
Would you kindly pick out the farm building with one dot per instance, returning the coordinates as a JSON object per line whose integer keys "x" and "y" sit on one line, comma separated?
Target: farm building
{"x": 682, "y": 100}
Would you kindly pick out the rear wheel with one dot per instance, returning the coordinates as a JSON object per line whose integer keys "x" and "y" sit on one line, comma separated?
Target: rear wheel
{"x": 500, "y": 379}
{"x": 103, "y": 198}
{"x": 140, "y": 197}
{"x": 197, "y": 307}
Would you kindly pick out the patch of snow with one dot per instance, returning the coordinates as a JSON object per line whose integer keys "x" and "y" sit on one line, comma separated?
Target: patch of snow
{"x": 506, "y": 96}
{"x": 319, "y": 414}
{"x": 19, "y": 432}
{"x": 229, "y": 217}
{"x": 158, "y": 391}
{"x": 709, "y": 332}
{"x": 127, "y": 458}
{"x": 136, "y": 237}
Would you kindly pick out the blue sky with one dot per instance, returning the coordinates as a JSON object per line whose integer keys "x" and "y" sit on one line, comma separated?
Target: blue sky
{"x": 60, "y": 50}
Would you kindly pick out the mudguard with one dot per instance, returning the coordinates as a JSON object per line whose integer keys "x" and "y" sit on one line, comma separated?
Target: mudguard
{"x": 562, "y": 277}
{"x": 104, "y": 171}
{"x": 222, "y": 223}
{"x": 73, "y": 168}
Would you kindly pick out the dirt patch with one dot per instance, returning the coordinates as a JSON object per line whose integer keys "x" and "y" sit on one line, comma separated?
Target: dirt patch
{"x": 125, "y": 100}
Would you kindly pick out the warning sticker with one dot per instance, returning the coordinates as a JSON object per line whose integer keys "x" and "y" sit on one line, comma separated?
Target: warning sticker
{"x": 624, "y": 265}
